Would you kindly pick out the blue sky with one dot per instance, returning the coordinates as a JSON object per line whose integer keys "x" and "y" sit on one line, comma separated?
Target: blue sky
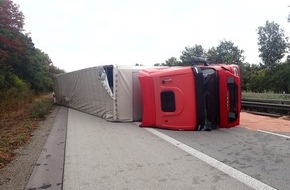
{"x": 77, "y": 34}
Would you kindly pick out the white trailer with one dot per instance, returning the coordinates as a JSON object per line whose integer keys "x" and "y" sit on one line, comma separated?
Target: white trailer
{"x": 110, "y": 92}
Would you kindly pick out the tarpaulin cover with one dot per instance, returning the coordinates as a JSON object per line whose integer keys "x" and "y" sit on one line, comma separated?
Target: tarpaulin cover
{"x": 85, "y": 90}
{"x": 108, "y": 92}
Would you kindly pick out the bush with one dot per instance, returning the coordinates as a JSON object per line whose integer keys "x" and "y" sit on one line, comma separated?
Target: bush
{"x": 12, "y": 99}
{"x": 16, "y": 89}
{"x": 2, "y": 81}
{"x": 40, "y": 108}
{"x": 16, "y": 82}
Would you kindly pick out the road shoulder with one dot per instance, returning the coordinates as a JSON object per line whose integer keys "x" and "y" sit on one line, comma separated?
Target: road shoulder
{"x": 16, "y": 174}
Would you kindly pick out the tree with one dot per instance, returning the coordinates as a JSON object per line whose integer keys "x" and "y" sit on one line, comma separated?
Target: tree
{"x": 245, "y": 69}
{"x": 226, "y": 52}
{"x": 189, "y": 53}
{"x": 172, "y": 61}
{"x": 159, "y": 64}
{"x": 11, "y": 45}
{"x": 21, "y": 64}
{"x": 279, "y": 78}
{"x": 36, "y": 70}
{"x": 11, "y": 19}
{"x": 272, "y": 43}
{"x": 11, "y": 24}
{"x": 53, "y": 70}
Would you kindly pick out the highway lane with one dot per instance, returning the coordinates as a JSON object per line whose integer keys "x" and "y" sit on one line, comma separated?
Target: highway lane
{"x": 263, "y": 156}
{"x": 106, "y": 155}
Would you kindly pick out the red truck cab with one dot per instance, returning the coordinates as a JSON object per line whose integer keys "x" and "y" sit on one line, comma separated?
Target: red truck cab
{"x": 191, "y": 98}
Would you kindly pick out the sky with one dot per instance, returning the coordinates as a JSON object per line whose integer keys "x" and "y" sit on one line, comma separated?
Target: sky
{"x": 78, "y": 34}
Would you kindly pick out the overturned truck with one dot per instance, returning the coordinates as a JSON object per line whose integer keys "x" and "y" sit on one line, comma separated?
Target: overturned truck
{"x": 178, "y": 98}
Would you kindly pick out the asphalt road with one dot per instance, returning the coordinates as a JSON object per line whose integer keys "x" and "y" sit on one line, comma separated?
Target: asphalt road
{"x": 263, "y": 156}
{"x": 107, "y": 155}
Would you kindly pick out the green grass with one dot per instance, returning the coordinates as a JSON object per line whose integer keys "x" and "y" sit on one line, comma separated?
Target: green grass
{"x": 265, "y": 95}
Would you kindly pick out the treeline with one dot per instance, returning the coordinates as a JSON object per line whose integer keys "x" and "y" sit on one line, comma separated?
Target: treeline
{"x": 271, "y": 74}
{"x": 23, "y": 67}
{"x": 258, "y": 78}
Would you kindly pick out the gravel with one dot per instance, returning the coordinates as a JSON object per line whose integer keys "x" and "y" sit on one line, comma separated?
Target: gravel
{"x": 16, "y": 174}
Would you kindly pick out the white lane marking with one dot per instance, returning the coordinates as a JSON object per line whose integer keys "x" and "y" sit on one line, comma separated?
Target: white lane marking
{"x": 277, "y": 134}
{"x": 236, "y": 174}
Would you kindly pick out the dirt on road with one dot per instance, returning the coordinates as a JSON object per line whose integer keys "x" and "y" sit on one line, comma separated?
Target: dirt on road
{"x": 258, "y": 122}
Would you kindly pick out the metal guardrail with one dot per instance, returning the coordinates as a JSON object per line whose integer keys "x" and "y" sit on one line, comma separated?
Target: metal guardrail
{"x": 266, "y": 105}
{"x": 285, "y": 95}
{"x": 273, "y": 101}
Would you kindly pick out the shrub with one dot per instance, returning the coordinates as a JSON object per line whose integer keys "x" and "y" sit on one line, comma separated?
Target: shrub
{"x": 16, "y": 82}
{"x": 39, "y": 109}
{"x": 2, "y": 81}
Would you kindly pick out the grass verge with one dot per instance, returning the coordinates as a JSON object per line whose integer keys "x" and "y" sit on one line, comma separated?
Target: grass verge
{"x": 18, "y": 123}
{"x": 266, "y": 95}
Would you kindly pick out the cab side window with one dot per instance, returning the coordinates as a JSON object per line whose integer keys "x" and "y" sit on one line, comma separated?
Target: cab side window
{"x": 167, "y": 101}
